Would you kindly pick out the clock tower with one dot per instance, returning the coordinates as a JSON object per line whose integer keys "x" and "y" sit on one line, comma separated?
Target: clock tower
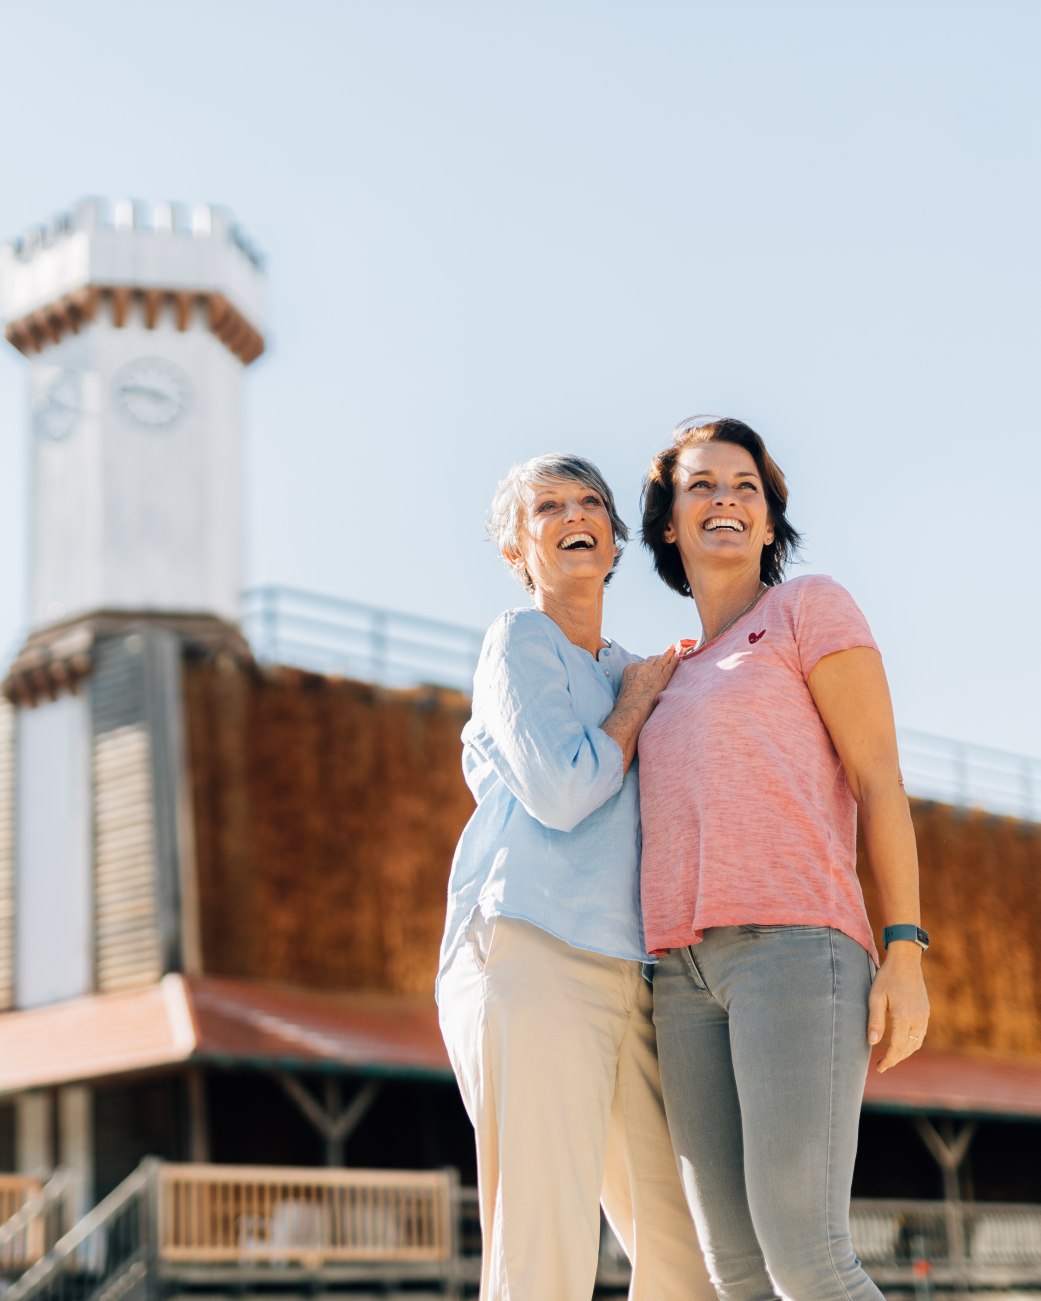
{"x": 137, "y": 324}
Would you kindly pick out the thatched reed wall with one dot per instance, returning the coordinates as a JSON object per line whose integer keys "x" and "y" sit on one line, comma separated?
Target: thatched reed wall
{"x": 981, "y": 903}
{"x": 326, "y": 815}
{"x": 327, "y": 812}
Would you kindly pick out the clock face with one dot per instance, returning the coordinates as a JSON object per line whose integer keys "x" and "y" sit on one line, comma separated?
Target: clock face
{"x": 152, "y": 392}
{"x": 60, "y": 406}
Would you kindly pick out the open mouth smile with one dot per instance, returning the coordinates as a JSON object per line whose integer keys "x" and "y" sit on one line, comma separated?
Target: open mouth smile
{"x": 721, "y": 522}
{"x": 577, "y": 542}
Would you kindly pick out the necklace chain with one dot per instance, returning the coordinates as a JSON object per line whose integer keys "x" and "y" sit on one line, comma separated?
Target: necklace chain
{"x": 730, "y": 623}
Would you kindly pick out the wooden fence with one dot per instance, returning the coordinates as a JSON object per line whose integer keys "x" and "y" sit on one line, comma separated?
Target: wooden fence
{"x": 259, "y": 1215}
{"x": 26, "y": 1245}
{"x": 15, "y": 1191}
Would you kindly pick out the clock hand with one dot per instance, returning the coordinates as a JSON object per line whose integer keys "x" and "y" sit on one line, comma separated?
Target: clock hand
{"x": 142, "y": 390}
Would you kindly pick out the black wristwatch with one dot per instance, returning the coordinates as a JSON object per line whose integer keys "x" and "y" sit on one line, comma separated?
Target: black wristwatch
{"x": 914, "y": 933}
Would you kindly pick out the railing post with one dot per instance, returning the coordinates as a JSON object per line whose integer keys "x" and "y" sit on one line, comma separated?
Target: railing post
{"x": 378, "y": 645}
{"x": 455, "y": 1229}
{"x": 961, "y": 773}
{"x": 269, "y": 625}
{"x": 148, "y": 1226}
{"x": 921, "y": 1268}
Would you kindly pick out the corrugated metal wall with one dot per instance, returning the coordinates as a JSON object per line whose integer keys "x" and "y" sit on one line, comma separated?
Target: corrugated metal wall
{"x": 8, "y": 1145}
{"x": 7, "y": 729}
{"x": 138, "y": 828}
{"x": 128, "y": 948}
{"x": 132, "y": 1121}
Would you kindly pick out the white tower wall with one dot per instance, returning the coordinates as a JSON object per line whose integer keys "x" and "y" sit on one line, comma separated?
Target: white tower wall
{"x": 132, "y": 516}
{"x": 53, "y": 944}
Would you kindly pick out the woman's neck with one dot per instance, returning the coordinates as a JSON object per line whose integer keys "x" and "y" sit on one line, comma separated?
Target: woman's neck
{"x": 577, "y": 613}
{"x": 721, "y": 598}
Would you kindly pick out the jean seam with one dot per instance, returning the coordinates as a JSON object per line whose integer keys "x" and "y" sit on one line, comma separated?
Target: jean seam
{"x": 831, "y": 1115}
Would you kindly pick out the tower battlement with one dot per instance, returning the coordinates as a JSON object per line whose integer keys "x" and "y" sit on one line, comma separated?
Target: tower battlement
{"x": 138, "y": 260}
{"x": 202, "y": 221}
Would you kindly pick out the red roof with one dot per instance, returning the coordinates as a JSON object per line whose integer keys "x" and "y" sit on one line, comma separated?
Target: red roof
{"x": 237, "y": 1019}
{"x": 101, "y": 1036}
{"x": 961, "y": 1083}
{"x": 182, "y": 1019}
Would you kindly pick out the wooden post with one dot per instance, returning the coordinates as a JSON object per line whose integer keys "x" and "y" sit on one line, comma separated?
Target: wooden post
{"x": 949, "y": 1151}
{"x": 198, "y": 1117}
{"x": 333, "y": 1121}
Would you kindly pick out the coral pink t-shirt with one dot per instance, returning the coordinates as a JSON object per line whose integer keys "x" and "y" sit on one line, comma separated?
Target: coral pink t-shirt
{"x": 747, "y": 816}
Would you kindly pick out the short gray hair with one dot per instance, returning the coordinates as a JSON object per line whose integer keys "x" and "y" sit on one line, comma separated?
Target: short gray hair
{"x": 504, "y": 517}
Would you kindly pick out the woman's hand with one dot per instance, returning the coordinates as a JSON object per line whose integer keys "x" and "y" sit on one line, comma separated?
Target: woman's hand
{"x": 898, "y": 1006}
{"x": 642, "y": 683}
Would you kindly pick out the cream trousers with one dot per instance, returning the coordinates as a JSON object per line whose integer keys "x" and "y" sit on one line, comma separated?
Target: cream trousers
{"x": 554, "y": 1051}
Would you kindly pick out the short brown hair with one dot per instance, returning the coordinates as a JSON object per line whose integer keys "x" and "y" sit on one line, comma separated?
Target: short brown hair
{"x": 659, "y": 490}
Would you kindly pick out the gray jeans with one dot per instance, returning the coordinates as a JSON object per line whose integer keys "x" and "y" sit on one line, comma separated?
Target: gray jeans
{"x": 762, "y": 1041}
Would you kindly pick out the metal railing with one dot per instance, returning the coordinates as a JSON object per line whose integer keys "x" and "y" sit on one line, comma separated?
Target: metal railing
{"x": 956, "y": 1245}
{"x": 170, "y": 1226}
{"x": 971, "y": 776}
{"x": 288, "y": 626}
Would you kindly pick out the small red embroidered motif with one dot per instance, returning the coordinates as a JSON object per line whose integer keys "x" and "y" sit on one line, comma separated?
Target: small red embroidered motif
{"x": 753, "y": 637}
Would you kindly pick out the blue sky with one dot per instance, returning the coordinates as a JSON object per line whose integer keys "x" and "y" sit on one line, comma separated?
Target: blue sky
{"x": 496, "y": 229}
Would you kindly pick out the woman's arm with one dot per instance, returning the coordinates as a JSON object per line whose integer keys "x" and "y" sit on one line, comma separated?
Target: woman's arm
{"x": 850, "y": 691}
{"x": 561, "y": 767}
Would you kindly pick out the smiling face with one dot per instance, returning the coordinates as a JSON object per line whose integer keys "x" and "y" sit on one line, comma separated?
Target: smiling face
{"x": 719, "y": 510}
{"x": 564, "y": 535}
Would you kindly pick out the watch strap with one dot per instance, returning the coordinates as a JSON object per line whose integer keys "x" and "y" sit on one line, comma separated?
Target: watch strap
{"x": 905, "y": 932}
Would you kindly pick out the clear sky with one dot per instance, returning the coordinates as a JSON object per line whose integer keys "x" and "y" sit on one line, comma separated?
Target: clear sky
{"x": 497, "y": 229}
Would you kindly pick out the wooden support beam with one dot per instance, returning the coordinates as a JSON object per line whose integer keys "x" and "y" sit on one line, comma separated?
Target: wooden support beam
{"x": 87, "y": 301}
{"x": 120, "y": 306}
{"x": 50, "y": 324}
{"x": 183, "y": 304}
{"x": 333, "y": 1121}
{"x": 198, "y": 1117}
{"x": 949, "y": 1150}
{"x": 220, "y": 309}
{"x": 40, "y": 329}
{"x": 152, "y": 301}
{"x": 18, "y": 336}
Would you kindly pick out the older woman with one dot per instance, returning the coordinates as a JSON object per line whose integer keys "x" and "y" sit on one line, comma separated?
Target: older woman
{"x": 543, "y": 1004}
{"x": 776, "y": 728}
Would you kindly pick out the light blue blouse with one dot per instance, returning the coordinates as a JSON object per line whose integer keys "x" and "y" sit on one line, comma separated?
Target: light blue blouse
{"x": 555, "y": 838}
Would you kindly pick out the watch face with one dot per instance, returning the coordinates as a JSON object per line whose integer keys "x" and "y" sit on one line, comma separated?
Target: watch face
{"x": 59, "y": 407}
{"x": 152, "y": 392}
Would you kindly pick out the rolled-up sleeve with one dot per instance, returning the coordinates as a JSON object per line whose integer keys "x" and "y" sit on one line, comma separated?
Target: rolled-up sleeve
{"x": 525, "y": 728}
